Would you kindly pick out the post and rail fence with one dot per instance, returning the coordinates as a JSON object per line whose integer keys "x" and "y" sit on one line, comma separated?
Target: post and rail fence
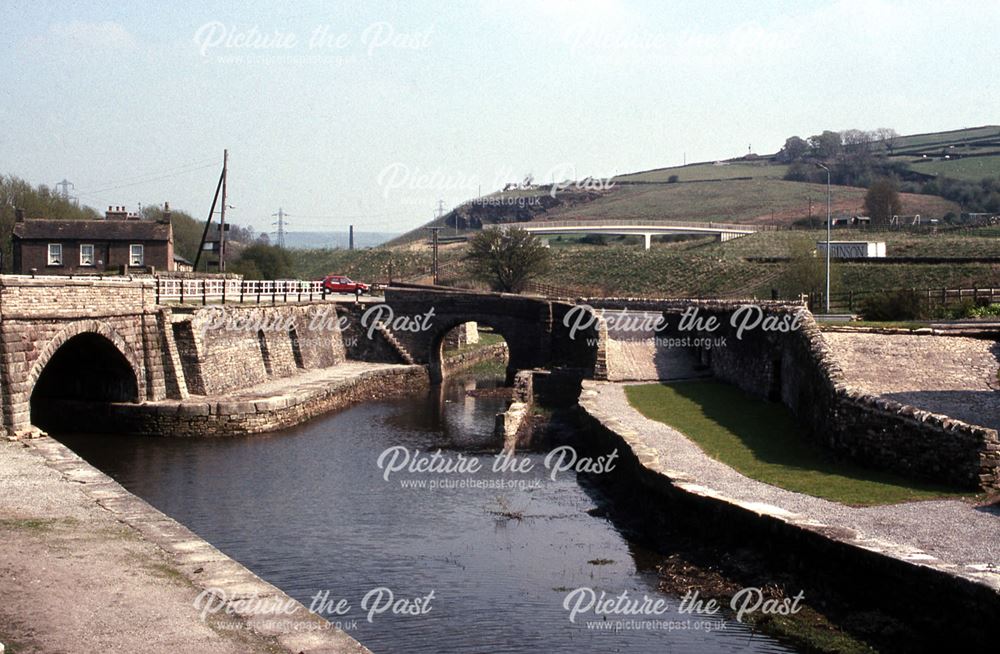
{"x": 931, "y": 298}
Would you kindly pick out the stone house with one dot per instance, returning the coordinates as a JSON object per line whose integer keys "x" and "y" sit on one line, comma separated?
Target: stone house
{"x": 121, "y": 242}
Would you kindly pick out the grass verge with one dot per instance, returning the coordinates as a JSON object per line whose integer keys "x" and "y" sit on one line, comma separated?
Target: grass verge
{"x": 762, "y": 441}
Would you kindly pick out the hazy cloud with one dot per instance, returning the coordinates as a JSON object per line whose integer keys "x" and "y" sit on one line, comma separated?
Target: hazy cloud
{"x": 78, "y": 34}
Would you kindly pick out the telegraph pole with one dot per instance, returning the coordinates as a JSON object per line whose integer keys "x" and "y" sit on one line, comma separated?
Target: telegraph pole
{"x": 281, "y": 226}
{"x": 222, "y": 214}
{"x": 208, "y": 221}
{"x": 440, "y": 215}
{"x": 434, "y": 248}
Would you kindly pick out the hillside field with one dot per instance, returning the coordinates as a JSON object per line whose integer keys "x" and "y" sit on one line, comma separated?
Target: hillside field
{"x": 761, "y": 201}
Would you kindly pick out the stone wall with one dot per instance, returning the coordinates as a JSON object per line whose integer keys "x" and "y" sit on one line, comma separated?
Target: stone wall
{"x": 892, "y": 435}
{"x": 466, "y": 333}
{"x": 950, "y": 599}
{"x": 39, "y": 315}
{"x": 357, "y": 343}
{"x": 469, "y": 358}
{"x": 224, "y": 351}
{"x": 214, "y": 418}
{"x": 512, "y": 425}
{"x": 798, "y": 369}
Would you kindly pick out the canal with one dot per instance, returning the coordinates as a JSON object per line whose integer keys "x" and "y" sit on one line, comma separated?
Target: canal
{"x": 310, "y": 510}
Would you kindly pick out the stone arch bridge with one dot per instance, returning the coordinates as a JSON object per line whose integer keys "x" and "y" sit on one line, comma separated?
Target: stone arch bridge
{"x": 64, "y": 342}
{"x": 110, "y": 340}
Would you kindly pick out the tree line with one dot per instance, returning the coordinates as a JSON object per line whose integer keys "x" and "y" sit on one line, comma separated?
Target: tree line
{"x": 861, "y": 158}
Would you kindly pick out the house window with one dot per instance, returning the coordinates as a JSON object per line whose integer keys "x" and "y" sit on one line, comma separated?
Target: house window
{"x": 55, "y": 254}
{"x": 86, "y": 254}
{"x": 135, "y": 255}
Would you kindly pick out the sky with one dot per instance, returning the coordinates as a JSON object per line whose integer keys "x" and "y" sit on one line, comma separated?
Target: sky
{"x": 369, "y": 113}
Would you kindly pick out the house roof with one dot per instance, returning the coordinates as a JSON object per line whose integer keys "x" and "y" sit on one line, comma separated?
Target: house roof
{"x": 98, "y": 230}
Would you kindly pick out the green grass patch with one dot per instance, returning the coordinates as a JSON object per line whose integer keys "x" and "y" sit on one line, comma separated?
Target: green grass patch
{"x": 762, "y": 441}
{"x": 970, "y": 168}
{"x": 486, "y": 339}
{"x": 946, "y": 137}
{"x": 28, "y": 524}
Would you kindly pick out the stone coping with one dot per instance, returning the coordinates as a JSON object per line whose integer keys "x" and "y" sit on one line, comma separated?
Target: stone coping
{"x": 277, "y": 404}
{"x": 201, "y": 564}
{"x": 274, "y": 395}
{"x": 657, "y": 462}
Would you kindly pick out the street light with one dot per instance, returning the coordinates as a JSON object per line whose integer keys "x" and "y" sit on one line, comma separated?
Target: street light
{"x": 828, "y": 225}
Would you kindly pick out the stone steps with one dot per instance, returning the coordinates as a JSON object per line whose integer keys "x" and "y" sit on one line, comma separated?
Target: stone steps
{"x": 394, "y": 342}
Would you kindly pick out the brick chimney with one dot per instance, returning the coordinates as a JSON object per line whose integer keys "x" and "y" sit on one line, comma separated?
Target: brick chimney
{"x": 165, "y": 218}
{"x": 116, "y": 213}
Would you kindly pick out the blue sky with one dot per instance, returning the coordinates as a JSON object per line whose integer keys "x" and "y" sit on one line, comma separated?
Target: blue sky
{"x": 369, "y": 112}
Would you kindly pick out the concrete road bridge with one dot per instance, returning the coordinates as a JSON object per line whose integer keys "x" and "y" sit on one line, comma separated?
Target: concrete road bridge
{"x": 636, "y": 227}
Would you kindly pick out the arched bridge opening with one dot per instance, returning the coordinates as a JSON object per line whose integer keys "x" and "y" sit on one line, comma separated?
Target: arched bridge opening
{"x": 87, "y": 368}
{"x": 536, "y": 329}
{"x": 459, "y": 344}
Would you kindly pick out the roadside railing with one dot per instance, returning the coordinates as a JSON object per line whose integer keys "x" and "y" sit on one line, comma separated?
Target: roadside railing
{"x": 206, "y": 291}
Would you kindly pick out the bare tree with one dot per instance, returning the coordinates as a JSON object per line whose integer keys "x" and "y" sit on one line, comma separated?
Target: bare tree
{"x": 882, "y": 201}
{"x": 886, "y": 136}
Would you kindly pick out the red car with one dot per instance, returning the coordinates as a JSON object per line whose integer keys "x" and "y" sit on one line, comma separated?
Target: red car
{"x": 342, "y": 284}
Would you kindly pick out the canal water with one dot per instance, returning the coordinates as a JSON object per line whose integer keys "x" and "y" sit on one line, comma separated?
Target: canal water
{"x": 309, "y": 509}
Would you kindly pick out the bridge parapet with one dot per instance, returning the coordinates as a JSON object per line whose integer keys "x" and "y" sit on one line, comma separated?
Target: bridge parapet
{"x": 24, "y": 297}
{"x": 532, "y": 326}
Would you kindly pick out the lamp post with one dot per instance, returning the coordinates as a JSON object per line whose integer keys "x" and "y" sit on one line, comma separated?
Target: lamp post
{"x": 828, "y": 226}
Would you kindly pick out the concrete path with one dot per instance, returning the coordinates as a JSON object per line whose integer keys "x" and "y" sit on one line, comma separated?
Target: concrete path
{"x": 87, "y": 567}
{"x": 304, "y": 383}
{"x": 952, "y": 375}
{"x": 946, "y": 533}
{"x": 641, "y": 355}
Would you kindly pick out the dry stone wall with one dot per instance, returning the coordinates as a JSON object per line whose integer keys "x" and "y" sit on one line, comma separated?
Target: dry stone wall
{"x": 798, "y": 369}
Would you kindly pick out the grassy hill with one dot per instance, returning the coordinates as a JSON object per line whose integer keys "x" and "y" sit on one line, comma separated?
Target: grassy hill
{"x": 758, "y": 200}
{"x": 707, "y": 171}
{"x": 748, "y": 189}
{"x": 972, "y": 169}
{"x": 751, "y": 191}
{"x": 972, "y": 243}
{"x": 967, "y": 150}
{"x": 700, "y": 267}
{"x": 946, "y": 138}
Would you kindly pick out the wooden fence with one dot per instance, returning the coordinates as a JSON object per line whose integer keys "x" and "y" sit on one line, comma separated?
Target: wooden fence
{"x": 852, "y": 301}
